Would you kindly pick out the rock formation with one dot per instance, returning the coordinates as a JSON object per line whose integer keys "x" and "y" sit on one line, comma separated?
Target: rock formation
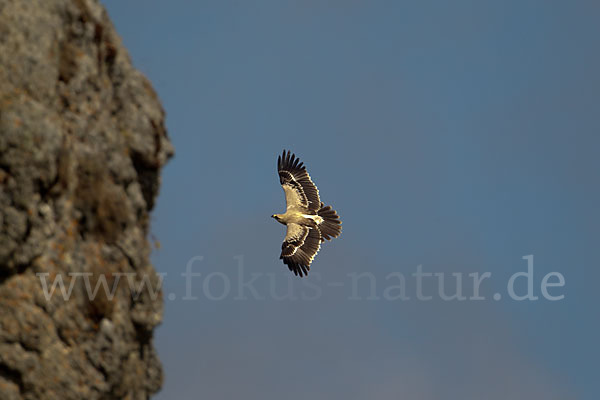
{"x": 82, "y": 143}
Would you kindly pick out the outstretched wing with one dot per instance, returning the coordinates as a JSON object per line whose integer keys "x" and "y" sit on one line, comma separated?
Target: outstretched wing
{"x": 300, "y": 191}
{"x": 299, "y": 248}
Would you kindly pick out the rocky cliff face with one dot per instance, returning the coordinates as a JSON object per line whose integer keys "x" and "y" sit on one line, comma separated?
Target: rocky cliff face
{"x": 82, "y": 142}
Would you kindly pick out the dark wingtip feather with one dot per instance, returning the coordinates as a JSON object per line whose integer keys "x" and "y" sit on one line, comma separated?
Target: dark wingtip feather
{"x": 298, "y": 269}
{"x": 289, "y": 161}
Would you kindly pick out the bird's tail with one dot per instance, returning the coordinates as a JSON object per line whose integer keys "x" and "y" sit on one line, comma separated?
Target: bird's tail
{"x": 331, "y": 227}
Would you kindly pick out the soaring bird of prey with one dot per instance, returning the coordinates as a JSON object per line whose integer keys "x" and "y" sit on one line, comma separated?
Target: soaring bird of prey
{"x": 308, "y": 221}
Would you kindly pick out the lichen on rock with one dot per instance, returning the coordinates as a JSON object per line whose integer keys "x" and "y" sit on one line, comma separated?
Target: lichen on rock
{"x": 82, "y": 143}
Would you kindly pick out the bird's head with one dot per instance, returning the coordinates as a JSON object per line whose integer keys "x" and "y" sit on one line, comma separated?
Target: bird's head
{"x": 277, "y": 217}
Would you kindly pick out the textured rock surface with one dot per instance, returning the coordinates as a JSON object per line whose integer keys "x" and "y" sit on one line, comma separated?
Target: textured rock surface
{"x": 82, "y": 142}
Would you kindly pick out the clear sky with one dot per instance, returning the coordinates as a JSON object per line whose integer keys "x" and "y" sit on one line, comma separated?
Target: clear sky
{"x": 460, "y": 136}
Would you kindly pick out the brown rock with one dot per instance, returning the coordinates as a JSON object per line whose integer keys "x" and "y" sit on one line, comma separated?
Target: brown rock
{"x": 82, "y": 143}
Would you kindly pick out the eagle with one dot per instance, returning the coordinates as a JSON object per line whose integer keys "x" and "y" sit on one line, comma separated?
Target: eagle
{"x": 309, "y": 222}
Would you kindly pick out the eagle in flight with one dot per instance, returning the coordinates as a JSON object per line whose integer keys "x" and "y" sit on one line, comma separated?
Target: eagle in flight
{"x": 308, "y": 221}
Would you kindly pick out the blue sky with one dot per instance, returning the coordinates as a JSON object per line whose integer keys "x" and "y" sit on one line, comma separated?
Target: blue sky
{"x": 460, "y": 136}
